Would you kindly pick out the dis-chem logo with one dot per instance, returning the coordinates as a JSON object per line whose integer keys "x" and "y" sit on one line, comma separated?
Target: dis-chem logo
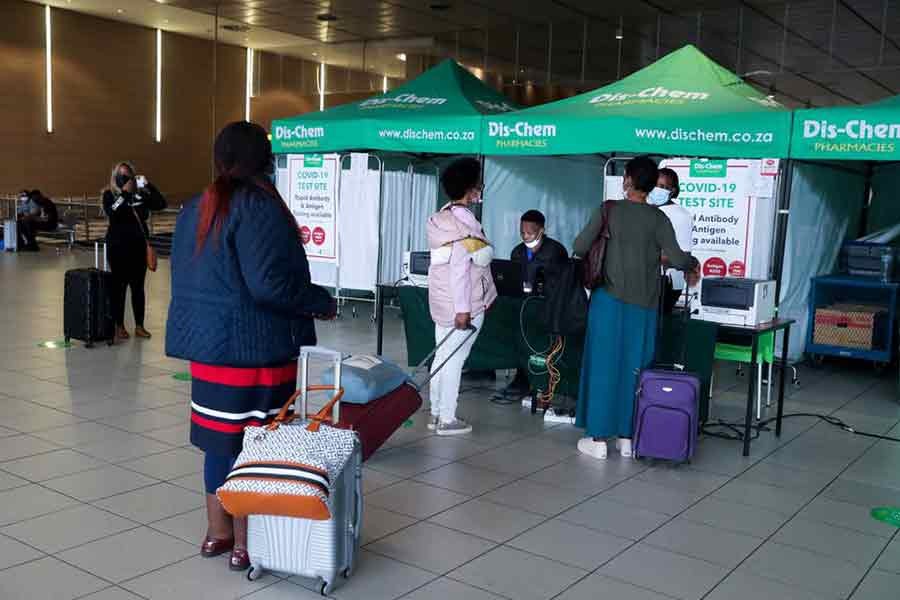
{"x": 650, "y": 95}
{"x": 407, "y": 100}
{"x": 299, "y": 136}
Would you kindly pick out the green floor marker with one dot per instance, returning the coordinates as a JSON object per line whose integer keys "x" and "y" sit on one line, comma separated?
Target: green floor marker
{"x": 54, "y": 344}
{"x": 182, "y": 376}
{"x": 887, "y": 514}
{"x": 408, "y": 423}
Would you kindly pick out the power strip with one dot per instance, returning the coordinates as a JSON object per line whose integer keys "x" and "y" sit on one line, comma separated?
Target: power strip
{"x": 551, "y": 415}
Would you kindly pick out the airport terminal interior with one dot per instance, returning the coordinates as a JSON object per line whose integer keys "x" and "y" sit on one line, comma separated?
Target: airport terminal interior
{"x": 102, "y": 494}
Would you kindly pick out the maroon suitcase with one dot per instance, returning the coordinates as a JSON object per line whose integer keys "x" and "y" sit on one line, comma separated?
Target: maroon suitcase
{"x": 376, "y": 421}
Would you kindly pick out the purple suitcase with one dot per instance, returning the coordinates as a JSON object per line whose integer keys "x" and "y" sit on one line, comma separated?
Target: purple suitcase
{"x": 666, "y": 415}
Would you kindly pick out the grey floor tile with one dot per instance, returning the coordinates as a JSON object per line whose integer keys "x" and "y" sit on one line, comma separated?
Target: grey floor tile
{"x": 599, "y": 586}
{"x": 515, "y": 574}
{"x": 40, "y": 419}
{"x": 536, "y": 497}
{"x": 130, "y": 554}
{"x": 846, "y": 515}
{"x": 442, "y": 589}
{"x": 13, "y": 552}
{"x": 381, "y": 578}
{"x": 196, "y": 578}
{"x": 20, "y": 446}
{"x": 9, "y": 481}
{"x": 826, "y": 576}
{"x": 837, "y": 542}
{"x": 47, "y": 578}
{"x": 30, "y": 501}
{"x": 878, "y": 585}
{"x": 378, "y": 523}
{"x": 742, "y": 585}
{"x": 488, "y": 520}
{"x": 703, "y": 542}
{"x": 466, "y": 479}
{"x": 803, "y": 481}
{"x": 775, "y": 499}
{"x": 431, "y": 547}
{"x": 571, "y": 544}
{"x": 283, "y": 590}
{"x": 68, "y": 528}
{"x": 179, "y": 435}
{"x": 373, "y": 480}
{"x": 131, "y": 448}
{"x": 665, "y": 572}
{"x": 402, "y": 462}
{"x": 112, "y": 593}
{"x": 81, "y": 434}
{"x": 446, "y": 448}
{"x": 655, "y": 498}
{"x": 739, "y": 518}
{"x": 52, "y": 464}
{"x": 415, "y": 499}
{"x": 612, "y": 517}
{"x": 153, "y": 503}
{"x": 592, "y": 479}
{"x": 683, "y": 479}
{"x": 506, "y": 462}
{"x": 143, "y": 421}
{"x": 188, "y": 527}
{"x": 861, "y": 494}
{"x": 167, "y": 465}
{"x": 193, "y": 482}
{"x": 890, "y": 558}
{"x": 99, "y": 483}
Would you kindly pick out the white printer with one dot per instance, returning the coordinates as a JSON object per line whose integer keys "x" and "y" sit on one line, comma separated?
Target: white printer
{"x": 737, "y": 301}
{"x": 415, "y": 268}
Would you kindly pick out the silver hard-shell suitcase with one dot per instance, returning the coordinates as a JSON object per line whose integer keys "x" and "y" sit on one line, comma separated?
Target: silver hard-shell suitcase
{"x": 324, "y": 550}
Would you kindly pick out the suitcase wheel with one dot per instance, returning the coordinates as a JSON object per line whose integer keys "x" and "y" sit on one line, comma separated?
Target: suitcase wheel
{"x": 324, "y": 589}
{"x": 254, "y": 573}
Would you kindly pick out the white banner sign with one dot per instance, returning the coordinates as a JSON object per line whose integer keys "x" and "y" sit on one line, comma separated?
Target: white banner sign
{"x": 718, "y": 194}
{"x": 312, "y": 198}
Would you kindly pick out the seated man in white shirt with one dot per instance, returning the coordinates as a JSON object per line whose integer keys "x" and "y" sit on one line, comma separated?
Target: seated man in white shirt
{"x": 667, "y": 189}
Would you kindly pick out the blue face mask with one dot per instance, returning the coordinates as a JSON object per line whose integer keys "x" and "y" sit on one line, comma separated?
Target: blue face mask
{"x": 658, "y": 196}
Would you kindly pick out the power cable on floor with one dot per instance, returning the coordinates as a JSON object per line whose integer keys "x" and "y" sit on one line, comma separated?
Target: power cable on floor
{"x": 737, "y": 428}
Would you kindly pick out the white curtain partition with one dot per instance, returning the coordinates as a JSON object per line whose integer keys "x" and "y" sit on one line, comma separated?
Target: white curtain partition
{"x": 408, "y": 200}
{"x": 567, "y": 190}
{"x": 825, "y": 210}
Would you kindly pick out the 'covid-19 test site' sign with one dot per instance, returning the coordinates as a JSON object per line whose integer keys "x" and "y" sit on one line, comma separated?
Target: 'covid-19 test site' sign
{"x": 312, "y": 198}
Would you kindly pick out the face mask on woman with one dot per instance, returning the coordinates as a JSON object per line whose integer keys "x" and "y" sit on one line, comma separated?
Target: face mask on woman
{"x": 658, "y": 196}
{"x": 122, "y": 180}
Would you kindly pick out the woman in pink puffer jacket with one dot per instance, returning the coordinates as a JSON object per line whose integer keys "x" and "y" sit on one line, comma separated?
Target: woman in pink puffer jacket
{"x": 460, "y": 287}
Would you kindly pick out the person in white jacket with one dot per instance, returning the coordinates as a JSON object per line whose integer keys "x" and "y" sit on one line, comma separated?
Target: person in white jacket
{"x": 667, "y": 189}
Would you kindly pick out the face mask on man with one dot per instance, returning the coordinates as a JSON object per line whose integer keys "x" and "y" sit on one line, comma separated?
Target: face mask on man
{"x": 534, "y": 243}
{"x": 658, "y": 196}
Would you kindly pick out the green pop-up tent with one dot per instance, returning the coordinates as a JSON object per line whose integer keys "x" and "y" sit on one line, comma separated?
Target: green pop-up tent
{"x": 870, "y": 132}
{"x": 439, "y": 112}
{"x": 684, "y": 104}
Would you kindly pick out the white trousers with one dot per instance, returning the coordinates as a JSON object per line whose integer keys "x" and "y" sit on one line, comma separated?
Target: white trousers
{"x": 444, "y": 387}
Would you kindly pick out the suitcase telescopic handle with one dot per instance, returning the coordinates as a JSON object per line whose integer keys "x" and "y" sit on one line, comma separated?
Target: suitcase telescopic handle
{"x": 336, "y": 359}
{"x": 470, "y": 331}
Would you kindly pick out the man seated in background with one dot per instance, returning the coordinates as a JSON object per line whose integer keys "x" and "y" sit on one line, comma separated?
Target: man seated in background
{"x": 37, "y": 213}
{"x": 536, "y": 252}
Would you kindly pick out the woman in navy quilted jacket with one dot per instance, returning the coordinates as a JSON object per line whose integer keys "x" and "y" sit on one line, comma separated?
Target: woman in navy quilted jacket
{"x": 242, "y": 305}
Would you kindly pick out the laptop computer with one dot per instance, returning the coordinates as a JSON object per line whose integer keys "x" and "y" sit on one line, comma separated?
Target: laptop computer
{"x": 508, "y": 278}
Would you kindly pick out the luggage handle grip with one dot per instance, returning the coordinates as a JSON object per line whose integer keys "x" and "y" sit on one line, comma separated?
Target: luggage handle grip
{"x": 303, "y": 376}
{"x": 315, "y": 420}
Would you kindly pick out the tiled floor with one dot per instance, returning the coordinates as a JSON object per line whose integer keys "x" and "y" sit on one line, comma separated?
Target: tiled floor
{"x": 100, "y": 492}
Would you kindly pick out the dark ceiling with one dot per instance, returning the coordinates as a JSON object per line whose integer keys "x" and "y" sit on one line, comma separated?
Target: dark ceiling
{"x": 816, "y": 52}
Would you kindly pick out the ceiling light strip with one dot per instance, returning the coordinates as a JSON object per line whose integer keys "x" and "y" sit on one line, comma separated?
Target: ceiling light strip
{"x": 159, "y": 85}
{"x": 48, "y": 62}
{"x": 249, "y": 87}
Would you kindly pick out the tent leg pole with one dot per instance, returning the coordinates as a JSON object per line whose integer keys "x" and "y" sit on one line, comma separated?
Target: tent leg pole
{"x": 784, "y": 205}
{"x": 867, "y": 202}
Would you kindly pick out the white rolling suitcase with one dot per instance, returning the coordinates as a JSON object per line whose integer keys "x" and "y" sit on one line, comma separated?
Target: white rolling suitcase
{"x": 324, "y": 550}
{"x": 10, "y": 235}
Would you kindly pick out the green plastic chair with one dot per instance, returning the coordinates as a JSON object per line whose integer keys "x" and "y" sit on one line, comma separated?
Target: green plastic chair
{"x": 765, "y": 353}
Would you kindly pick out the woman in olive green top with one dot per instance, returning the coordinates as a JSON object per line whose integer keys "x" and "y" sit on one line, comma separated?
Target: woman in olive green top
{"x": 621, "y": 333}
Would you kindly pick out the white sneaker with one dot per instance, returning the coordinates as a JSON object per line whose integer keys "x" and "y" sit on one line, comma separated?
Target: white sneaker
{"x": 432, "y": 423}
{"x": 455, "y": 427}
{"x": 623, "y": 445}
{"x": 591, "y": 448}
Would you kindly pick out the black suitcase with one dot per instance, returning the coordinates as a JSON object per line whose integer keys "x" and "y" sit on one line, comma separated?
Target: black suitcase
{"x": 87, "y": 307}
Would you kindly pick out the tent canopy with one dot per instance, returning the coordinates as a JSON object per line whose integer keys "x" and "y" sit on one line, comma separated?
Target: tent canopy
{"x": 870, "y": 132}
{"x": 439, "y": 111}
{"x": 684, "y": 104}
